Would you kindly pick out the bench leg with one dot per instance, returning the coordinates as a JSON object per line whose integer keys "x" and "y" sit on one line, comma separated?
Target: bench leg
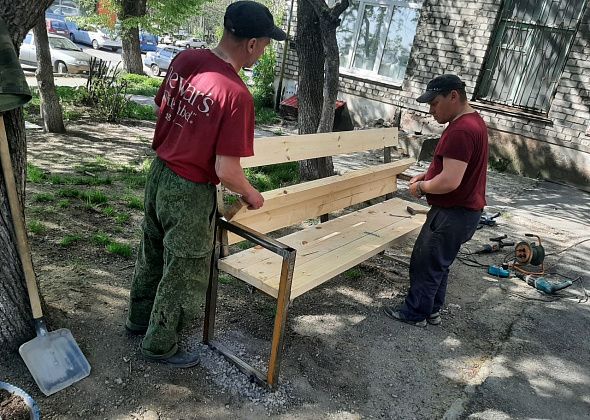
{"x": 211, "y": 297}
{"x": 283, "y": 300}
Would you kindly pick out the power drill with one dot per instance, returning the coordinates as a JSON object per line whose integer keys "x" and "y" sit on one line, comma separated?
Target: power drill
{"x": 541, "y": 284}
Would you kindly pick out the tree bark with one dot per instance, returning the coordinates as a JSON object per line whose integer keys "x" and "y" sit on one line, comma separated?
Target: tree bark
{"x": 319, "y": 65}
{"x": 50, "y": 108}
{"x": 311, "y": 80}
{"x": 16, "y": 319}
{"x": 131, "y": 54}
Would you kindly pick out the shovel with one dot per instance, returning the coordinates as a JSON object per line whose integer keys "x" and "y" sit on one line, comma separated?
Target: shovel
{"x": 53, "y": 358}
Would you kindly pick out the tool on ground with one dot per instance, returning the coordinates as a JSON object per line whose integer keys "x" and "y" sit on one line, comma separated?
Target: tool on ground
{"x": 53, "y": 358}
{"x": 496, "y": 271}
{"x": 487, "y": 220}
{"x": 529, "y": 254}
{"x": 489, "y": 248}
{"x": 543, "y": 285}
{"x": 414, "y": 211}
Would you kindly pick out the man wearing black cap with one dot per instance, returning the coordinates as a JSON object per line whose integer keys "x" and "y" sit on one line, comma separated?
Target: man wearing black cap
{"x": 454, "y": 186}
{"x": 205, "y": 125}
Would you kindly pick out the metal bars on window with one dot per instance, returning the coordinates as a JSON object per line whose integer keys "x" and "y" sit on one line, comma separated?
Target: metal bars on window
{"x": 530, "y": 48}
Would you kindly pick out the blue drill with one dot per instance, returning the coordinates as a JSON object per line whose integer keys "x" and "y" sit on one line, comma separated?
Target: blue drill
{"x": 549, "y": 287}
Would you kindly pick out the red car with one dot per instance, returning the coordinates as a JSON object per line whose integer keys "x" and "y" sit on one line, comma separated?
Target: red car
{"x": 57, "y": 27}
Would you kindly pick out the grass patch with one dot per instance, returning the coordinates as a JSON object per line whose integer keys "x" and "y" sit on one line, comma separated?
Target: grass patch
{"x": 69, "y": 193}
{"x": 101, "y": 238}
{"x": 136, "y": 111}
{"x": 35, "y": 174}
{"x": 122, "y": 217}
{"x": 225, "y": 278}
{"x": 109, "y": 211}
{"x": 266, "y": 116}
{"x": 265, "y": 178}
{"x": 94, "y": 197}
{"x": 70, "y": 239}
{"x": 79, "y": 180}
{"x": 63, "y": 204}
{"x": 134, "y": 202}
{"x": 36, "y": 227}
{"x": 141, "y": 85}
{"x": 118, "y": 248}
{"x": 353, "y": 274}
{"x": 43, "y": 198}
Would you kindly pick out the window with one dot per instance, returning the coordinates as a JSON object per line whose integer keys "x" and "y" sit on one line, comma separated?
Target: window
{"x": 529, "y": 51}
{"x": 375, "y": 38}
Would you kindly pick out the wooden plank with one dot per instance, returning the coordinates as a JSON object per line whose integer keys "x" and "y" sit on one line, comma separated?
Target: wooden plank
{"x": 280, "y": 149}
{"x": 291, "y": 205}
{"x": 324, "y": 253}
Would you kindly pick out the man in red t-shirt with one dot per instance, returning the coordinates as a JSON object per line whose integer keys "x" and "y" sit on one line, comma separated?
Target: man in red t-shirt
{"x": 455, "y": 187}
{"x": 205, "y": 125}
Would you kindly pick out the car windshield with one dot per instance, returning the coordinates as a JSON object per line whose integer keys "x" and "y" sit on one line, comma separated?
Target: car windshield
{"x": 57, "y": 24}
{"x": 62, "y": 44}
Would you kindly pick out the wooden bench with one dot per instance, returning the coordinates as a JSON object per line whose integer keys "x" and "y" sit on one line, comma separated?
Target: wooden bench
{"x": 289, "y": 266}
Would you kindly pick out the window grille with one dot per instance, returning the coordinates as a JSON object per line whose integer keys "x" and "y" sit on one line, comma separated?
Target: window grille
{"x": 529, "y": 51}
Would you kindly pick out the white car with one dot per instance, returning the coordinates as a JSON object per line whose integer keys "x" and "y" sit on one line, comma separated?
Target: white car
{"x": 97, "y": 37}
{"x": 190, "y": 43}
{"x": 66, "y": 57}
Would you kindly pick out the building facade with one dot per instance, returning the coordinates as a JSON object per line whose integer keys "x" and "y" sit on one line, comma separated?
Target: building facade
{"x": 526, "y": 64}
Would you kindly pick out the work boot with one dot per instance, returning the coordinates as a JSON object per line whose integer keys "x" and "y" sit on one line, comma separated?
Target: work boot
{"x": 181, "y": 359}
{"x": 434, "y": 318}
{"x": 393, "y": 313}
{"x": 134, "y": 329}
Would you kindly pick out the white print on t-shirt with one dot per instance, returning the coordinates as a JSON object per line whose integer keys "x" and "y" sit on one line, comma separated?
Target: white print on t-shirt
{"x": 190, "y": 99}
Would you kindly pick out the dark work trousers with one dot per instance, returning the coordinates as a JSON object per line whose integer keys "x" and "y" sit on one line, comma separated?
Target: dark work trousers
{"x": 438, "y": 243}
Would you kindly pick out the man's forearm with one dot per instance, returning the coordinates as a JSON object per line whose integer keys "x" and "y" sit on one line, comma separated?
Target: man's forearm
{"x": 437, "y": 185}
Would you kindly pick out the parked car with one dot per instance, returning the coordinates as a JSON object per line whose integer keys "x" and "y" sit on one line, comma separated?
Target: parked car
{"x": 65, "y": 10}
{"x": 160, "y": 59}
{"x": 66, "y": 57}
{"x": 167, "y": 39}
{"x": 190, "y": 43}
{"x": 56, "y": 27}
{"x": 147, "y": 42}
{"x": 97, "y": 37}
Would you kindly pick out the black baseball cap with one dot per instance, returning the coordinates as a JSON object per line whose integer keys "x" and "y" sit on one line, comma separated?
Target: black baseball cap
{"x": 249, "y": 19}
{"x": 441, "y": 85}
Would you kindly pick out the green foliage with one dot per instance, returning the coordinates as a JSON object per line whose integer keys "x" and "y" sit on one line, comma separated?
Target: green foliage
{"x": 137, "y": 111}
{"x": 118, "y": 248}
{"x": 101, "y": 238}
{"x": 500, "y": 164}
{"x": 265, "y": 178}
{"x": 94, "y": 197}
{"x": 122, "y": 217}
{"x": 266, "y": 116}
{"x": 106, "y": 91}
{"x": 69, "y": 193}
{"x": 353, "y": 274}
{"x": 43, "y": 197}
{"x": 141, "y": 85}
{"x": 70, "y": 239}
{"x": 36, "y": 227}
{"x": 58, "y": 179}
{"x": 35, "y": 174}
{"x": 109, "y": 211}
{"x": 63, "y": 204}
{"x": 263, "y": 75}
{"x": 134, "y": 202}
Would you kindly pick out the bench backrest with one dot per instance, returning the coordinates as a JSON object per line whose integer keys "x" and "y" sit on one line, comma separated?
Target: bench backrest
{"x": 293, "y": 204}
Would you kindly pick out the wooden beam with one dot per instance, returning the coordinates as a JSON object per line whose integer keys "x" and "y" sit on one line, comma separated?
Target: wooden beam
{"x": 287, "y": 206}
{"x": 280, "y": 149}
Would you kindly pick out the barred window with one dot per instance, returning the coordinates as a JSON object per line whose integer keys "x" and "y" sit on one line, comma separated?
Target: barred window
{"x": 375, "y": 38}
{"x": 529, "y": 51}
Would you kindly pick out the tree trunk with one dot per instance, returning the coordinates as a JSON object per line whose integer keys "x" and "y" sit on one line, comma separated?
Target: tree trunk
{"x": 50, "y": 107}
{"x": 16, "y": 319}
{"x": 311, "y": 80}
{"x": 130, "y": 35}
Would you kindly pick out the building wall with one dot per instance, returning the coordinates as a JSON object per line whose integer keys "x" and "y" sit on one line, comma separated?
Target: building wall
{"x": 453, "y": 36}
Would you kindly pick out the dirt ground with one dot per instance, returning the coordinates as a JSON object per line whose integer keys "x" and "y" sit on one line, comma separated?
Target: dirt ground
{"x": 343, "y": 358}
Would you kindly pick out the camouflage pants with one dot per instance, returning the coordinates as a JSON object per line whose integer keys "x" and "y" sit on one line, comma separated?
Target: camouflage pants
{"x": 172, "y": 269}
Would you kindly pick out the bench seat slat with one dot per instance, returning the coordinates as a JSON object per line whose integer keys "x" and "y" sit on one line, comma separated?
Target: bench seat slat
{"x": 326, "y": 250}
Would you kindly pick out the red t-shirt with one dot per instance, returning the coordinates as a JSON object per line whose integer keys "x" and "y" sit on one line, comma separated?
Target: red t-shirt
{"x": 205, "y": 110}
{"x": 465, "y": 139}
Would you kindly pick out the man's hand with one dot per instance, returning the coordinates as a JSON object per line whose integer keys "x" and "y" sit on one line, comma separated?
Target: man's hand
{"x": 254, "y": 200}
{"x": 417, "y": 178}
{"x": 414, "y": 190}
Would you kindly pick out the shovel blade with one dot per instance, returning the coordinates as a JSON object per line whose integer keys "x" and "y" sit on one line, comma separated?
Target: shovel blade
{"x": 54, "y": 360}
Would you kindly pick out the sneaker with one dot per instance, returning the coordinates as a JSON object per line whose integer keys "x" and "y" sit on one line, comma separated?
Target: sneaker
{"x": 391, "y": 312}
{"x": 434, "y": 318}
{"x": 181, "y": 359}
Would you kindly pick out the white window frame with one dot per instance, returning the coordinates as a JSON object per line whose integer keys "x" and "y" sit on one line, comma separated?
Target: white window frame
{"x": 373, "y": 74}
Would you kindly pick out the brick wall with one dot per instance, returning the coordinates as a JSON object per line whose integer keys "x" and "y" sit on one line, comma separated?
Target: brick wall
{"x": 453, "y": 36}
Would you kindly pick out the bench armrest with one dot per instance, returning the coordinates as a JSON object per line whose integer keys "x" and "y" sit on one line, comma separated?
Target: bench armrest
{"x": 258, "y": 238}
